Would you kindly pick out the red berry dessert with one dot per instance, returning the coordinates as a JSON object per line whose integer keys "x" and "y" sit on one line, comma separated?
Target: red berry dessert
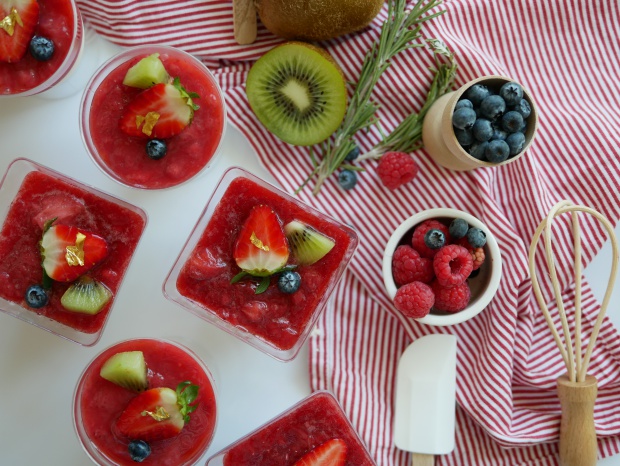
{"x": 152, "y": 117}
{"x": 146, "y": 401}
{"x": 40, "y": 41}
{"x": 262, "y": 265}
{"x": 64, "y": 249}
{"x": 396, "y": 169}
{"x": 313, "y": 432}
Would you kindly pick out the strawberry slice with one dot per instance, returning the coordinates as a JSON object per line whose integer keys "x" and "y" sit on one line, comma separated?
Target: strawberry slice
{"x": 158, "y": 413}
{"x": 262, "y": 247}
{"x": 331, "y": 453}
{"x": 160, "y": 112}
{"x": 18, "y": 20}
{"x": 69, "y": 252}
{"x": 60, "y": 206}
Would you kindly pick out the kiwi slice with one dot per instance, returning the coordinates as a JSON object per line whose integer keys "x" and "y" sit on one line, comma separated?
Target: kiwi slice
{"x": 298, "y": 93}
{"x": 146, "y": 73}
{"x": 126, "y": 369}
{"x": 86, "y": 295}
{"x": 308, "y": 245}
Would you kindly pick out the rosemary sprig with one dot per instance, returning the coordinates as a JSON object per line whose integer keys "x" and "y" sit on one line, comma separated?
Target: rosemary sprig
{"x": 401, "y": 31}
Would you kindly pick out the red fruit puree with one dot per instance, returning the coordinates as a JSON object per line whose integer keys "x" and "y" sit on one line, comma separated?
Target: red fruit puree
{"x": 275, "y": 317}
{"x": 101, "y": 403}
{"x": 289, "y": 437}
{"x": 56, "y": 22}
{"x": 188, "y": 152}
{"x": 42, "y": 197}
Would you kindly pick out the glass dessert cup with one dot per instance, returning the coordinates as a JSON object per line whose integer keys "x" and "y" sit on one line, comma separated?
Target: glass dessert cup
{"x": 123, "y": 157}
{"x": 30, "y": 196}
{"x": 60, "y": 21}
{"x": 274, "y": 322}
{"x": 285, "y": 439}
{"x": 97, "y": 403}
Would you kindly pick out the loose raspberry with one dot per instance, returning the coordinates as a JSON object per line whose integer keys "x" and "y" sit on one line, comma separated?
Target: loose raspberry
{"x": 414, "y": 300}
{"x": 477, "y": 254}
{"x": 451, "y": 299}
{"x": 408, "y": 266}
{"x": 396, "y": 169}
{"x": 417, "y": 241}
{"x": 452, "y": 265}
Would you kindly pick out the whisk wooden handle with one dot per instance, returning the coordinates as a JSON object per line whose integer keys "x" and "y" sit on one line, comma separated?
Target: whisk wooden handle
{"x": 421, "y": 459}
{"x": 577, "y": 434}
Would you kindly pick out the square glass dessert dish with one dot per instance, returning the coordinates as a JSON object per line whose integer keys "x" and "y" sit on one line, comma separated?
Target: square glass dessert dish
{"x": 152, "y": 117}
{"x": 260, "y": 264}
{"x": 64, "y": 250}
{"x": 314, "y": 431}
{"x": 40, "y": 44}
{"x": 145, "y": 400}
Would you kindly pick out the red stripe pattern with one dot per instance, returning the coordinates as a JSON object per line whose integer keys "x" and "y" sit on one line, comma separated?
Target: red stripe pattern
{"x": 565, "y": 53}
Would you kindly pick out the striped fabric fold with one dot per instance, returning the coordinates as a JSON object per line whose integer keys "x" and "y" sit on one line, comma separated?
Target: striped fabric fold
{"x": 565, "y": 52}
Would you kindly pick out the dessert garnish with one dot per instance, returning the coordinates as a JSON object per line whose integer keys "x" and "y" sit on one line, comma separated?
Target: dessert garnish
{"x": 126, "y": 369}
{"x": 36, "y": 296}
{"x": 85, "y": 295}
{"x": 18, "y": 23}
{"x": 146, "y": 73}
{"x": 308, "y": 245}
{"x": 332, "y": 453}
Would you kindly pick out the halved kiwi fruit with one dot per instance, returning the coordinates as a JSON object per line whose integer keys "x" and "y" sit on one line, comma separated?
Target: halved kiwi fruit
{"x": 308, "y": 245}
{"x": 126, "y": 369}
{"x": 298, "y": 93}
{"x": 86, "y": 295}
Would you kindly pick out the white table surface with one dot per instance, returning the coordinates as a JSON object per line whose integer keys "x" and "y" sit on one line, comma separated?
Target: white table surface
{"x": 38, "y": 370}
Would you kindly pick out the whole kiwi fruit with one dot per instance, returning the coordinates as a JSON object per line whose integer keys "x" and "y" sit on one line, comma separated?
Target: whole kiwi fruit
{"x": 316, "y": 19}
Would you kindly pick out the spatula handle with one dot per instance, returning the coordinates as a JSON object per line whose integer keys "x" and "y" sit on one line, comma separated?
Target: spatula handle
{"x": 420, "y": 459}
{"x": 577, "y": 434}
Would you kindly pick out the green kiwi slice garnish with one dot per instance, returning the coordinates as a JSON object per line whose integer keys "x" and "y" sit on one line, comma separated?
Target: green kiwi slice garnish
{"x": 298, "y": 93}
{"x": 126, "y": 369}
{"x": 86, "y": 295}
{"x": 146, "y": 73}
{"x": 308, "y": 245}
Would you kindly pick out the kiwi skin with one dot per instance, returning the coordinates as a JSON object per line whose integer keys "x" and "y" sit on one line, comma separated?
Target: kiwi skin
{"x": 316, "y": 19}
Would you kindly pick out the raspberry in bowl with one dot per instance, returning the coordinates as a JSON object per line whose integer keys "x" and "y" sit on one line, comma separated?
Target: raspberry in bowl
{"x": 145, "y": 400}
{"x": 260, "y": 264}
{"x": 152, "y": 117}
{"x": 64, "y": 250}
{"x": 314, "y": 431}
{"x": 441, "y": 267}
{"x": 40, "y": 44}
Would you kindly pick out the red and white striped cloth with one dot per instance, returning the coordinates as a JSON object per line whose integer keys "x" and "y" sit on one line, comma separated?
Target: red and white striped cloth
{"x": 567, "y": 54}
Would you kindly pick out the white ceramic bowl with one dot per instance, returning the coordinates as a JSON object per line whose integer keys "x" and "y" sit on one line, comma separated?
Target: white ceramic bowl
{"x": 483, "y": 286}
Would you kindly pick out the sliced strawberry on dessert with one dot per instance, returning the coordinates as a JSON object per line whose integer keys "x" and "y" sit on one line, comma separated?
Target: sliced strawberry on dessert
{"x": 69, "y": 252}
{"x": 331, "y": 453}
{"x": 18, "y": 20}
{"x": 159, "y": 112}
{"x": 158, "y": 413}
{"x": 60, "y": 206}
{"x": 262, "y": 248}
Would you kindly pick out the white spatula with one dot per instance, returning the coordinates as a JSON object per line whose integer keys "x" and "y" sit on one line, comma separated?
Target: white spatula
{"x": 424, "y": 419}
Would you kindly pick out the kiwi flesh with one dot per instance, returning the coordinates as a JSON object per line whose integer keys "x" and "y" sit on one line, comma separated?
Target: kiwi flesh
{"x": 308, "y": 245}
{"x": 86, "y": 295}
{"x": 146, "y": 73}
{"x": 298, "y": 93}
{"x": 126, "y": 369}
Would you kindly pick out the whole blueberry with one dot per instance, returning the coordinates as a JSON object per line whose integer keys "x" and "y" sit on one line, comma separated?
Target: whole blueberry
{"x": 478, "y": 150}
{"x": 434, "y": 238}
{"x": 492, "y": 107}
{"x": 156, "y": 149}
{"x": 463, "y": 118}
{"x": 477, "y": 93}
{"x": 516, "y": 142}
{"x": 458, "y": 228}
{"x": 463, "y": 103}
{"x": 497, "y": 151}
{"x": 523, "y": 128}
{"x": 511, "y": 92}
{"x": 482, "y": 129}
{"x": 523, "y": 107}
{"x": 41, "y": 48}
{"x": 464, "y": 137}
{"x": 36, "y": 297}
{"x": 139, "y": 450}
{"x": 289, "y": 281}
{"x": 499, "y": 134}
{"x": 347, "y": 179}
{"x": 476, "y": 237}
{"x": 512, "y": 121}
{"x": 353, "y": 154}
